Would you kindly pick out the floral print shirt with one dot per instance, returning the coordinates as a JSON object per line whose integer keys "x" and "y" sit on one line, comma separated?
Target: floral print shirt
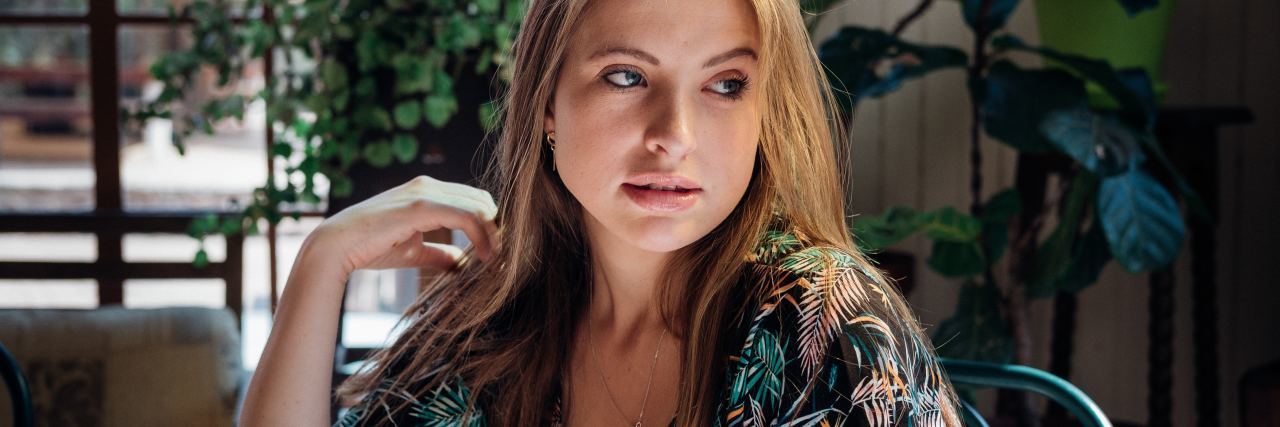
{"x": 814, "y": 354}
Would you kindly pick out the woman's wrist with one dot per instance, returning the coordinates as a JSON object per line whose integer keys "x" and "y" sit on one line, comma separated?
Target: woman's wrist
{"x": 320, "y": 262}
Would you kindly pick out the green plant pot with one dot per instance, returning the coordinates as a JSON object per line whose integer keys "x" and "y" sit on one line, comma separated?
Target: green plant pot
{"x": 1101, "y": 29}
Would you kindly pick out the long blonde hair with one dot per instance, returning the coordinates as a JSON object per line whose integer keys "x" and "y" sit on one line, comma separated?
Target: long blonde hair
{"x": 502, "y": 324}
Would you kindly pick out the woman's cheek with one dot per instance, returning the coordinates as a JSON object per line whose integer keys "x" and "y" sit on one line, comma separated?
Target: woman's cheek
{"x": 744, "y": 157}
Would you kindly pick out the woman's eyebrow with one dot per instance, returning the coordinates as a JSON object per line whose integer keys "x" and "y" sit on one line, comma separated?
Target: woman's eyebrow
{"x": 645, "y": 56}
{"x": 733, "y": 53}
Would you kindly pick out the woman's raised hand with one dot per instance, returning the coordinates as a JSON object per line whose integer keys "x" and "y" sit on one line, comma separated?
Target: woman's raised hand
{"x": 291, "y": 385}
{"x": 385, "y": 231}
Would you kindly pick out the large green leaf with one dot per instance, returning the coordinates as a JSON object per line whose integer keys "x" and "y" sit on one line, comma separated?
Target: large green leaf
{"x": 957, "y": 259}
{"x": 875, "y": 233}
{"x": 976, "y": 331}
{"x": 1095, "y": 70}
{"x": 1002, "y": 206}
{"x": 996, "y": 214}
{"x": 1142, "y": 222}
{"x": 1015, "y": 101}
{"x": 1101, "y": 144}
{"x": 948, "y": 224}
{"x": 869, "y": 62}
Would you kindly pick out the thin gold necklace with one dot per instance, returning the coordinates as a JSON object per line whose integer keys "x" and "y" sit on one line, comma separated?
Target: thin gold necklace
{"x": 654, "y": 363}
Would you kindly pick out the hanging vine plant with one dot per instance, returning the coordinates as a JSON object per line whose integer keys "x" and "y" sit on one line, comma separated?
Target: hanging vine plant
{"x": 353, "y": 82}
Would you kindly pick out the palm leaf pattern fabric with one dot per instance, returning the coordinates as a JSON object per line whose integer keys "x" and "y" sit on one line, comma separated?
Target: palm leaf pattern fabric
{"x": 826, "y": 347}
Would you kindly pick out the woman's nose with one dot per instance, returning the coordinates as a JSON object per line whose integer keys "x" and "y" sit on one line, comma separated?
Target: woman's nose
{"x": 670, "y": 131}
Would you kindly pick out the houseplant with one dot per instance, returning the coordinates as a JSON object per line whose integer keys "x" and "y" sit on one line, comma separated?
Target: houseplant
{"x": 1115, "y": 197}
{"x": 359, "y": 86}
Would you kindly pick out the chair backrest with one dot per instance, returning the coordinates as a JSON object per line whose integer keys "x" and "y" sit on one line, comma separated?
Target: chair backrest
{"x": 127, "y": 366}
{"x": 19, "y": 393}
{"x": 983, "y": 374}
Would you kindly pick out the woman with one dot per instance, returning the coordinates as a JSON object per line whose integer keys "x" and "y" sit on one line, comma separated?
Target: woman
{"x": 668, "y": 247}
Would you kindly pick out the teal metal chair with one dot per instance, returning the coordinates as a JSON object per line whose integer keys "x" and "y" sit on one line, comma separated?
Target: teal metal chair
{"x": 983, "y": 374}
{"x": 19, "y": 393}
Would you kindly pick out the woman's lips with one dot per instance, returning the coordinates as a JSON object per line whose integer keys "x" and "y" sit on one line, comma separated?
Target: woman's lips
{"x": 662, "y": 200}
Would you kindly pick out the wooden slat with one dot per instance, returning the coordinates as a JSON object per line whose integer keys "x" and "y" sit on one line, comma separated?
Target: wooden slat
{"x": 38, "y": 270}
{"x": 92, "y": 222}
{"x": 104, "y": 99}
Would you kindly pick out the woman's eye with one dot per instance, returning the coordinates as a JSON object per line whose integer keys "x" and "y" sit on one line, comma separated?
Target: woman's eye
{"x": 725, "y": 87}
{"x": 624, "y": 78}
{"x": 730, "y": 88}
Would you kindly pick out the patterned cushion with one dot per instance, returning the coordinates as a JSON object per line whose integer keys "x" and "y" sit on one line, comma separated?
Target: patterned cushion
{"x": 126, "y": 367}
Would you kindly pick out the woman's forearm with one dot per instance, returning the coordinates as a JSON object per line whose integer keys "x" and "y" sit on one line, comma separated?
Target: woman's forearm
{"x": 292, "y": 383}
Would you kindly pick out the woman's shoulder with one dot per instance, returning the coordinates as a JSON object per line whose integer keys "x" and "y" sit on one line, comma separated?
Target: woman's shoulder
{"x": 793, "y": 251}
{"x": 792, "y": 265}
{"x": 814, "y": 292}
{"x": 830, "y": 341}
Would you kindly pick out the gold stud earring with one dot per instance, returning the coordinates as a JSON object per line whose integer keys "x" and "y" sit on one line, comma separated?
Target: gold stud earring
{"x": 551, "y": 141}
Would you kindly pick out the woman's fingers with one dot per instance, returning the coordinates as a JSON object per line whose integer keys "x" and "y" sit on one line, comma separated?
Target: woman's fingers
{"x": 385, "y": 231}
{"x": 427, "y": 215}
{"x": 430, "y": 187}
{"x": 437, "y": 256}
{"x": 471, "y": 198}
{"x": 465, "y": 191}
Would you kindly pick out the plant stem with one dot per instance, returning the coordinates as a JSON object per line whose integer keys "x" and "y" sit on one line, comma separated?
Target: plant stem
{"x": 975, "y": 72}
{"x": 911, "y": 17}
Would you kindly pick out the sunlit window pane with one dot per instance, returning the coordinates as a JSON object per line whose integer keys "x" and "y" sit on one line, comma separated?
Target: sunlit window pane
{"x": 66, "y": 247}
{"x": 48, "y": 293}
{"x": 216, "y": 169}
{"x": 45, "y": 125}
{"x": 44, "y": 7}
{"x": 145, "y": 293}
{"x": 154, "y": 247}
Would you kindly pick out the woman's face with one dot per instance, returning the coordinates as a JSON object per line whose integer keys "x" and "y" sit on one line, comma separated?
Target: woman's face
{"x": 657, "y": 118}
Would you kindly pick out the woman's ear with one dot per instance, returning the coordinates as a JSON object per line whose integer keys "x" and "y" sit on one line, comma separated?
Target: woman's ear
{"x": 548, "y": 119}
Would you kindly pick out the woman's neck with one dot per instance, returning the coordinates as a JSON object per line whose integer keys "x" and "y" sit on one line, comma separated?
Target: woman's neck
{"x": 625, "y": 286}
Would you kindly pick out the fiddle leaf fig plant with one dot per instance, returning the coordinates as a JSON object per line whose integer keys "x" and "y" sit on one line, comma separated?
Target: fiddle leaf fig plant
{"x": 352, "y": 82}
{"x": 1109, "y": 204}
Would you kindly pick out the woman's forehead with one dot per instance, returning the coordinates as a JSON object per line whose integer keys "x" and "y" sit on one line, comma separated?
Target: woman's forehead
{"x": 667, "y": 30}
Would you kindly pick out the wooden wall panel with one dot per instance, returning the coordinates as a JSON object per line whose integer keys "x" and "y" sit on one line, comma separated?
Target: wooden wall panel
{"x": 1254, "y": 228}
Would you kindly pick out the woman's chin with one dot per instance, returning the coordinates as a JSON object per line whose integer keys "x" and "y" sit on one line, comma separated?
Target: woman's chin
{"x": 666, "y": 234}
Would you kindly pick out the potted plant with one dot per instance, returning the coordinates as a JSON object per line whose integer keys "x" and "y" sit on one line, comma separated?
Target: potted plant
{"x": 1127, "y": 34}
{"x": 1118, "y": 197}
{"x": 364, "y": 93}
